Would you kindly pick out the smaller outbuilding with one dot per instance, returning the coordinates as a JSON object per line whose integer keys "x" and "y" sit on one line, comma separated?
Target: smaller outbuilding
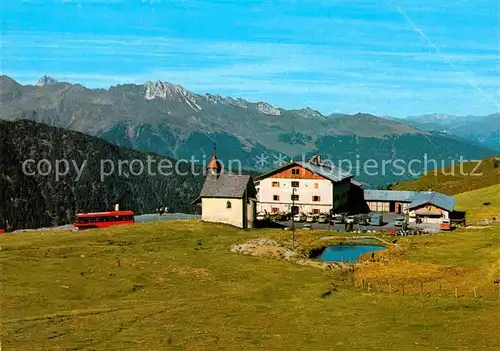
{"x": 227, "y": 198}
{"x": 421, "y": 206}
{"x": 395, "y": 201}
{"x": 430, "y": 207}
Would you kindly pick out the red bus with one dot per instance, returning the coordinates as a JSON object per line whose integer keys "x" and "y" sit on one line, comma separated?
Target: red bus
{"x": 103, "y": 219}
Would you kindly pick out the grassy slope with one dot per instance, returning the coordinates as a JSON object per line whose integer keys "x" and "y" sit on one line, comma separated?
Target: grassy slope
{"x": 472, "y": 202}
{"x": 457, "y": 183}
{"x": 64, "y": 290}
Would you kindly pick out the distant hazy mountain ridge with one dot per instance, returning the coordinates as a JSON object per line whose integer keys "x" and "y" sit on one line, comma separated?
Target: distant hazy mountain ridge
{"x": 484, "y": 130}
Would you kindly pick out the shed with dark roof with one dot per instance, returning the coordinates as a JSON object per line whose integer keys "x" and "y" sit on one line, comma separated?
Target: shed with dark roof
{"x": 388, "y": 200}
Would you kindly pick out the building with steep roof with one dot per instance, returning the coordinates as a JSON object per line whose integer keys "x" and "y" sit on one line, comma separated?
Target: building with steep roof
{"x": 427, "y": 206}
{"x": 303, "y": 187}
{"x": 227, "y": 198}
{"x": 431, "y": 207}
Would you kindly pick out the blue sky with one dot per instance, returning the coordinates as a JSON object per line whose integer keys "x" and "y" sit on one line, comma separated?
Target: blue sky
{"x": 386, "y": 57}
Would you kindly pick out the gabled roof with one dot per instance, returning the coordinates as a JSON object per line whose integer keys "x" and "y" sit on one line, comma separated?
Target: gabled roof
{"x": 389, "y": 195}
{"x": 357, "y": 183}
{"x": 437, "y": 199}
{"x": 330, "y": 172}
{"x": 415, "y": 198}
{"x": 226, "y": 185}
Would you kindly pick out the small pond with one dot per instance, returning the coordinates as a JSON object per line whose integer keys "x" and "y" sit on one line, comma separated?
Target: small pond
{"x": 346, "y": 253}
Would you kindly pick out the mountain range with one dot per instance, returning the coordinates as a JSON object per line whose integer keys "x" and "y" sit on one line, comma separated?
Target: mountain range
{"x": 484, "y": 130}
{"x": 170, "y": 120}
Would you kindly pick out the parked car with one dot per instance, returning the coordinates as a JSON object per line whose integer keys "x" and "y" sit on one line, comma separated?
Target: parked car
{"x": 377, "y": 219}
{"x": 364, "y": 219}
{"x": 262, "y": 216}
{"x": 323, "y": 219}
{"x": 445, "y": 224}
{"x": 276, "y": 216}
{"x": 352, "y": 219}
{"x": 337, "y": 219}
{"x": 285, "y": 216}
{"x": 299, "y": 217}
{"x": 399, "y": 221}
{"x": 310, "y": 218}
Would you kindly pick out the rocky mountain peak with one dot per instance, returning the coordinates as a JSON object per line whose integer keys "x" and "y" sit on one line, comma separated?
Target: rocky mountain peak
{"x": 172, "y": 92}
{"x": 46, "y": 80}
{"x": 217, "y": 99}
{"x": 265, "y": 108}
{"x": 309, "y": 113}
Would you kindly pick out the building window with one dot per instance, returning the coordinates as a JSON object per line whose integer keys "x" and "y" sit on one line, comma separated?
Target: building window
{"x": 295, "y": 171}
{"x": 295, "y": 184}
{"x": 316, "y": 185}
{"x": 316, "y": 198}
{"x": 228, "y": 204}
{"x": 276, "y": 198}
{"x": 276, "y": 184}
{"x": 316, "y": 211}
{"x": 295, "y": 197}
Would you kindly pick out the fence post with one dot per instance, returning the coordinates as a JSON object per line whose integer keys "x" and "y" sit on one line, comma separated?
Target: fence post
{"x": 456, "y": 292}
{"x": 421, "y": 288}
{"x": 475, "y": 295}
{"x": 390, "y": 289}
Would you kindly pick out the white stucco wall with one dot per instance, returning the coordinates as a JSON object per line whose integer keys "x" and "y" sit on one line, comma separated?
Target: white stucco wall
{"x": 214, "y": 210}
{"x": 444, "y": 215}
{"x": 306, "y": 191}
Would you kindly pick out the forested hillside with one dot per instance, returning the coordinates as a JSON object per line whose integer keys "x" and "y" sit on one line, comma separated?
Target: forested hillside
{"x": 30, "y": 201}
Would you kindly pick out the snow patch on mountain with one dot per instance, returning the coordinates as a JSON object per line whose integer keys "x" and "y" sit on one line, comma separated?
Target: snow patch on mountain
{"x": 267, "y": 109}
{"x": 172, "y": 92}
{"x": 130, "y": 132}
{"x": 309, "y": 113}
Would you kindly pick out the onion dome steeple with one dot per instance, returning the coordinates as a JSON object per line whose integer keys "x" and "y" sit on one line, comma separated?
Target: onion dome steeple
{"x": 214, "y": 167}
